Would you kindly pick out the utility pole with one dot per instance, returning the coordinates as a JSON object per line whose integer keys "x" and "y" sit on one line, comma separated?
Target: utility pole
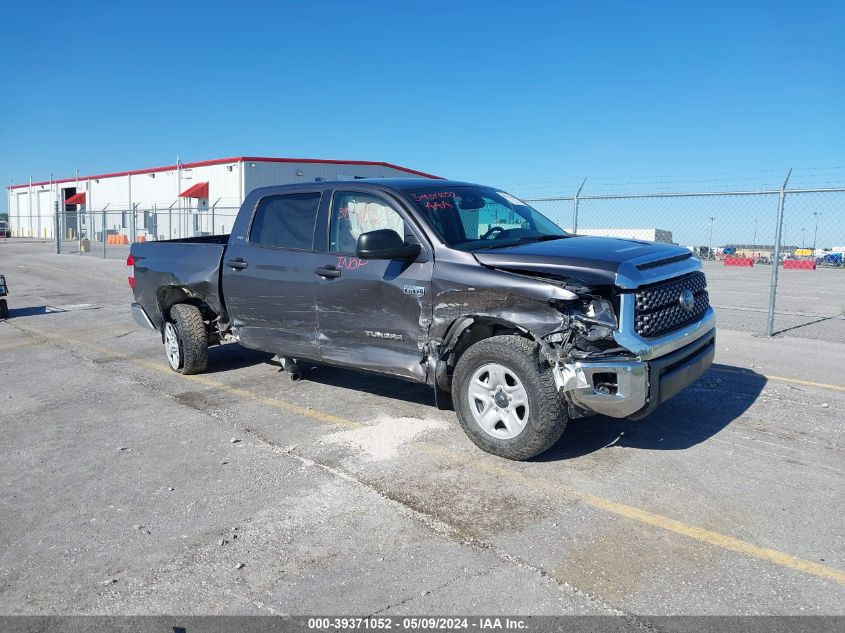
{"x": 710, "y": 243}
{"x": 816, "y": 215}
{"x": 754, "y": 241}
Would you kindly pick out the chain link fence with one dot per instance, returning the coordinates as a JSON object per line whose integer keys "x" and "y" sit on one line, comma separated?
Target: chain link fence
{"x": 739, "y": 235}
{"x": 109, "y": 232}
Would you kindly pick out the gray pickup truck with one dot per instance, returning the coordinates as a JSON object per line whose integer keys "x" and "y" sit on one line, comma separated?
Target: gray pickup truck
{"x": 514, "y": 323}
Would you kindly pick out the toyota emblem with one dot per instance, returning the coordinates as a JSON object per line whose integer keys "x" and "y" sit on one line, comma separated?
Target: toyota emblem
{"x": 687, "y": 300}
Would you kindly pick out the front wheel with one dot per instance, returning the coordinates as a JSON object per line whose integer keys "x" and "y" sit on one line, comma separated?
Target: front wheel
{"x": 186, "y": 340}
{"x": 506, "y": 399}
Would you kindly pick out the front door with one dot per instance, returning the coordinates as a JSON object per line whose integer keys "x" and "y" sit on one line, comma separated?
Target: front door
{"x": 268, "y": 279}
{"x": 373, "y": 314}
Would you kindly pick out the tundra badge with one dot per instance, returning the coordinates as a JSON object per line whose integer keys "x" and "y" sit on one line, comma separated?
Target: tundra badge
{"x": 387, "y": 335}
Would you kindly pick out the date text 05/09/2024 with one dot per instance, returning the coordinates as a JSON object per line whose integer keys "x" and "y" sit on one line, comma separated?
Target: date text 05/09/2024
{"x": 417, "y": 623}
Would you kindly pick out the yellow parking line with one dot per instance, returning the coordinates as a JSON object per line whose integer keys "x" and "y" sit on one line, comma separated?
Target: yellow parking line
{"x": 809, "y": 383}
{"x": 243, "y": 393}
{"x": 21, "y": 343}
{"x": 630, "y": 512}
{"x": 797, "y": 381}
{"x": 644, "y": 516}
{"x": 703, "y": 535}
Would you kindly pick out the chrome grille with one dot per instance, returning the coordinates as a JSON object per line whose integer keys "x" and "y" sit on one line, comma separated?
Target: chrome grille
{"x": 657, "y": 309}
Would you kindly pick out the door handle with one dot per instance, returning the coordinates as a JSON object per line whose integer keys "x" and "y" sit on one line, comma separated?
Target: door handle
{"x": 238, "y": 263}
{"x": 329, "y": 272}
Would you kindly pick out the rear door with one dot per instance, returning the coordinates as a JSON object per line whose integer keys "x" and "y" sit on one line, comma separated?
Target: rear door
{"x": 268, "y": 278}
{"x": 373, "y": 314}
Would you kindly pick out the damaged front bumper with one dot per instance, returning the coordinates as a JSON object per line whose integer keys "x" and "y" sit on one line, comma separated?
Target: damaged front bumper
{"x": 625, "y": 388}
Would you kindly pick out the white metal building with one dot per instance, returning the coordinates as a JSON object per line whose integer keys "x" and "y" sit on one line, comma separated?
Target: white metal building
{"x": 648, "y": 235}
{"x": 167, "y": 199}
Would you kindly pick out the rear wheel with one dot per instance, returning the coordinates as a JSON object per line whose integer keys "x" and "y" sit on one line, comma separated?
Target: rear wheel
{"x": 4, "y": 309}
{"x": 186, "y": 340}
{"x": 506, "y": 398}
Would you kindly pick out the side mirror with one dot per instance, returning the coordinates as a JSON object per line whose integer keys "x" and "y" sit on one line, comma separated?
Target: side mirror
{"x": 385, "y": 244}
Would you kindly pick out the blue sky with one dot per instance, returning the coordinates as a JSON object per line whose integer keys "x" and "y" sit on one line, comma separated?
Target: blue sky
{"x": 530, "y": 96}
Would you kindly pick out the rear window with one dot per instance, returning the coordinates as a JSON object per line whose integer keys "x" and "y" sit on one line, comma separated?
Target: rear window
{"x": 286, "y": 221}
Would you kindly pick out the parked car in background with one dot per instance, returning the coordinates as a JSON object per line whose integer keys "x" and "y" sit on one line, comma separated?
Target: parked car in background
{"x": 833, "y": 260}
{"x": 4, "y": 228}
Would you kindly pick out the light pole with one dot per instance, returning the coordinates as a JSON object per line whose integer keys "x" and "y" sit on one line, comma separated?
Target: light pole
{"x": 754, "y": 241}
{"x": 710, "y": 243}
{"x": 816, "y": 215}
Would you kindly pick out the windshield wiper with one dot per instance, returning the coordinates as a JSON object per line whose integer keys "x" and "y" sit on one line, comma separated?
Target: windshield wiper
{"x": 496, "y": 245}
{"x": 540, "y": 238}
{"x": 521, "y": 240}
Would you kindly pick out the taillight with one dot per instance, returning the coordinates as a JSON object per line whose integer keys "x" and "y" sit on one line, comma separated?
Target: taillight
{"x": 130, "y": 269}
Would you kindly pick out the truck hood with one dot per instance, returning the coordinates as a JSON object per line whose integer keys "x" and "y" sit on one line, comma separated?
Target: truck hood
{"x": 594, "y": 260}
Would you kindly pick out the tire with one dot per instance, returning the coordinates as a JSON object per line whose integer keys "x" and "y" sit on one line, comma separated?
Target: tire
{"x": 524, "y": 376}
{"x": 4, "y": 309}
{"x": 185, "y": 340}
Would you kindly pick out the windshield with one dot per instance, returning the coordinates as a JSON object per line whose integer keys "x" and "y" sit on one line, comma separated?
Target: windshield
{"x": 475, "y": 218}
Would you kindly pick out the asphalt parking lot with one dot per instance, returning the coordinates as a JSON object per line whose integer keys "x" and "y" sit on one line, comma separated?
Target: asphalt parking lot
{"x": 810, "y": 303}
{"x": 128, "y": 489}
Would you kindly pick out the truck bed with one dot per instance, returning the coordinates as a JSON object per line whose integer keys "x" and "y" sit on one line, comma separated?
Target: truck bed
{"x": 190, "y": 266}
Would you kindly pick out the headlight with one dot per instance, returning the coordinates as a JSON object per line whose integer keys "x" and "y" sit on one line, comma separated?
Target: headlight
{"x": 598, "y": 320}
{"x": 600, "y": 312}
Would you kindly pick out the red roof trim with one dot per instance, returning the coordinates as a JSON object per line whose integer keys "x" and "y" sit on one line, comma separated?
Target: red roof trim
{"x": 199, "y": 190}
{"x": 78, "y": 198}
{"x": 223, "y": 161}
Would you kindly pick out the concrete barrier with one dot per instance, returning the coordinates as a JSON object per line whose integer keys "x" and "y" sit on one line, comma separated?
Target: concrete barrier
{"x": 739, "y": 261}
{"x": 800, "y": 264}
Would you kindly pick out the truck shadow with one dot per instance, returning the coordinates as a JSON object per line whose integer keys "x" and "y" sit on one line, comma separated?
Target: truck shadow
{"x": 699, "y": 412}
{"x": 232, "y": 357}
{"x": 696, "y": 414}
{"x": 383, "y": 386}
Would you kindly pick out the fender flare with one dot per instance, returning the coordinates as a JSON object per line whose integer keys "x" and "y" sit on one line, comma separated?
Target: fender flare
{"x": 453, "y": 334}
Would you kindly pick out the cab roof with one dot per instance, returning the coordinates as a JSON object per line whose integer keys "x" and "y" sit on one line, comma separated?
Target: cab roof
{"x": 400, "y": 185}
